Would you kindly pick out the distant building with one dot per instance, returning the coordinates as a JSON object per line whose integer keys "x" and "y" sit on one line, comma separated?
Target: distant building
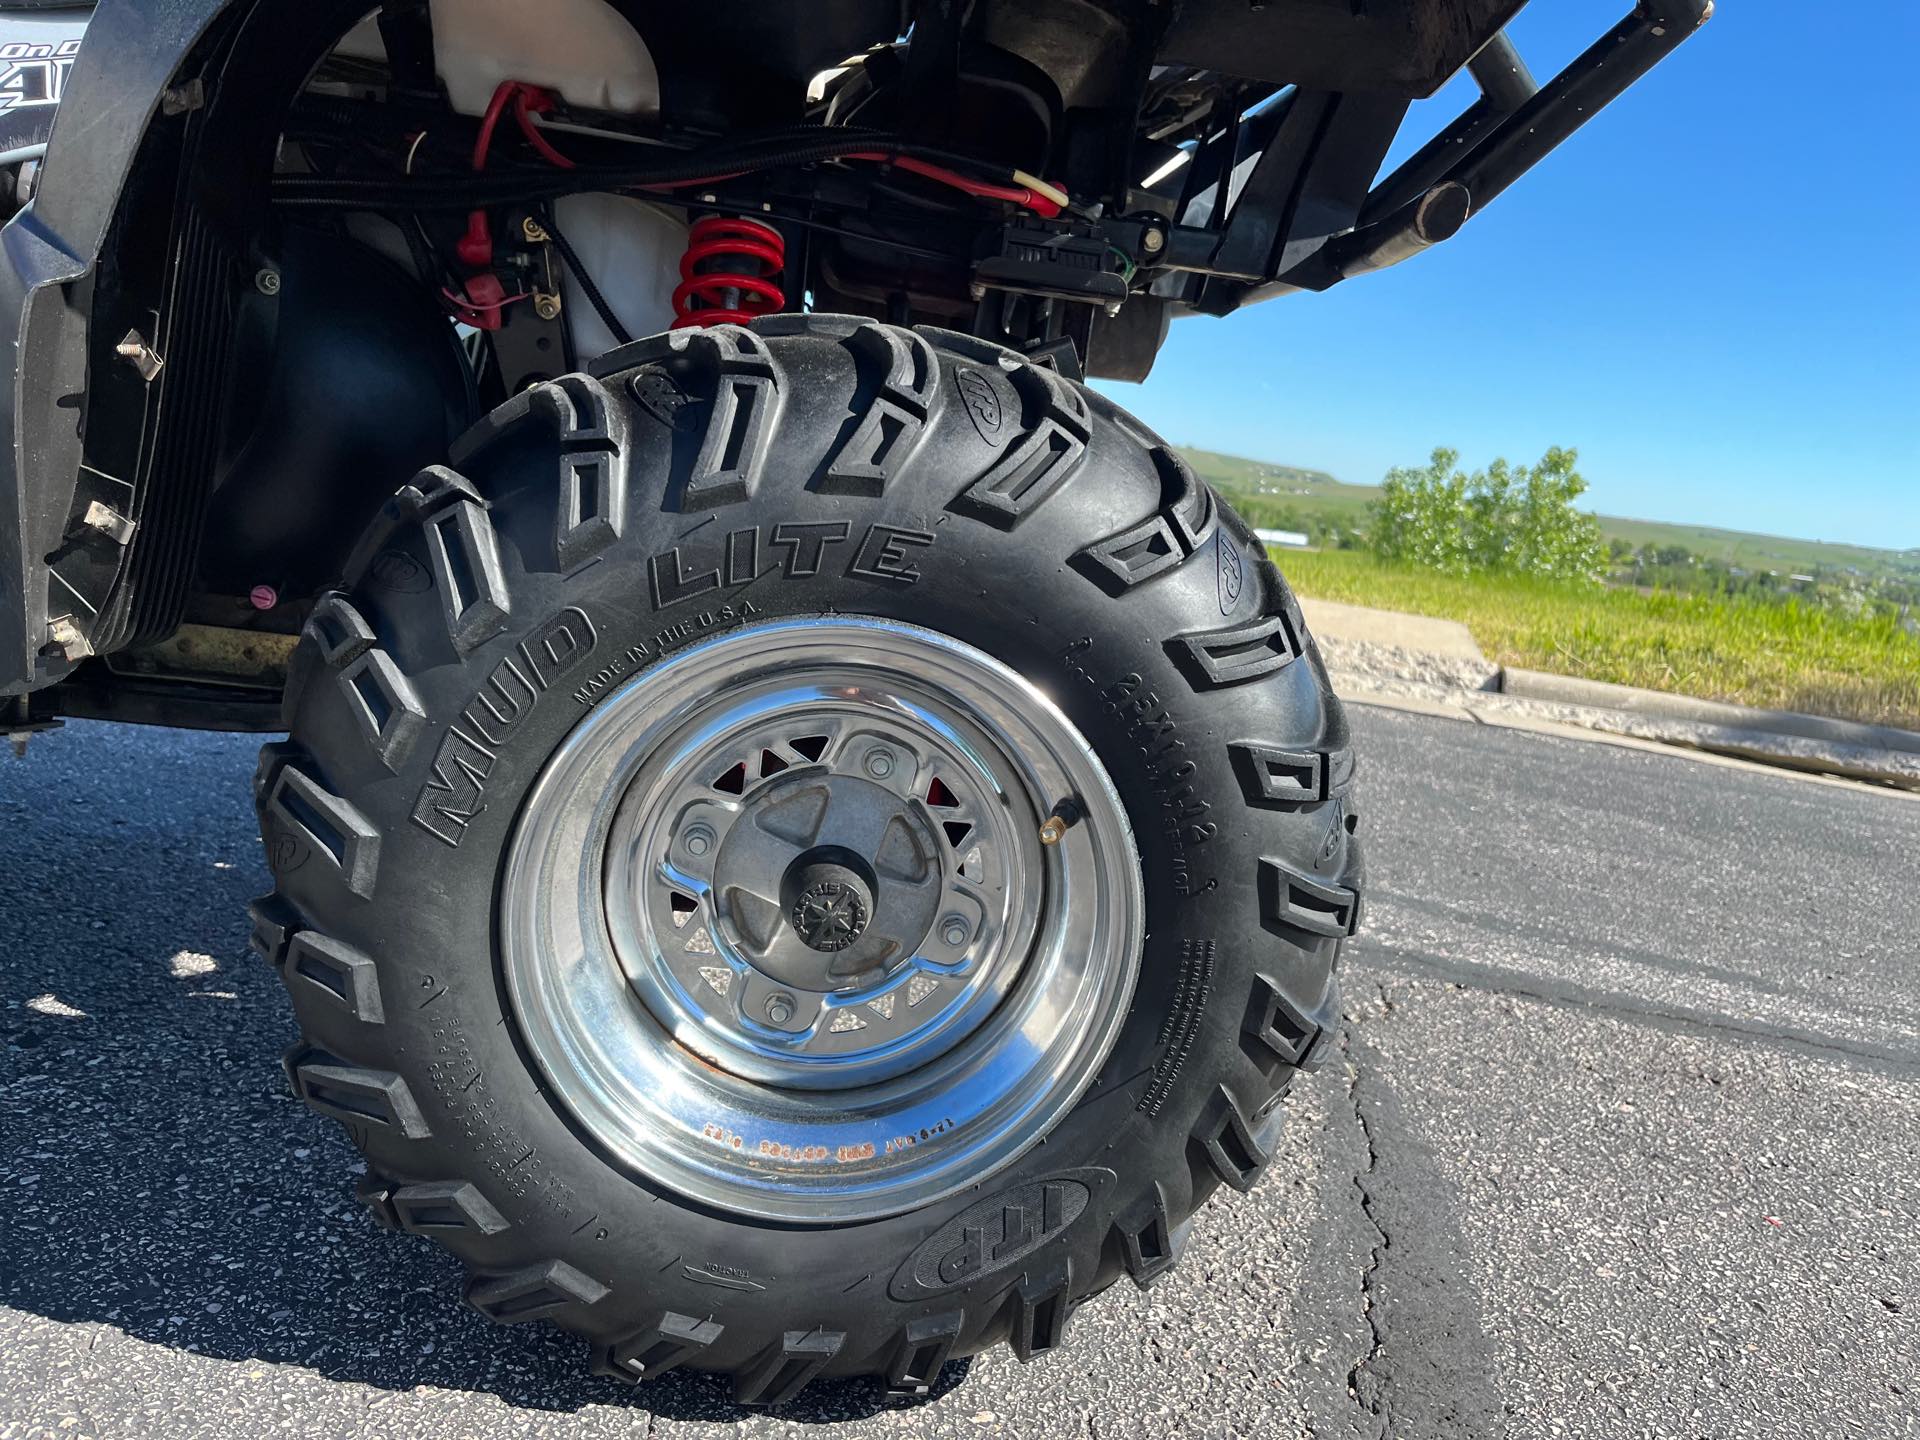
{"x": 1291, "y": 539}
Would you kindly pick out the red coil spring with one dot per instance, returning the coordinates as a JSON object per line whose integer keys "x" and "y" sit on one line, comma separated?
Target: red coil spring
{"x": 726, "y": 276}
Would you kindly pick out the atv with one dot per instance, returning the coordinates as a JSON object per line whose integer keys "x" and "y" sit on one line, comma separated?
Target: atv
{"x": 808, "y": 843}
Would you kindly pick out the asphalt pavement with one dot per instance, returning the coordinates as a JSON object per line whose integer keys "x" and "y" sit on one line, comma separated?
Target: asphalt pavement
{"x": 1623, "y": 1140}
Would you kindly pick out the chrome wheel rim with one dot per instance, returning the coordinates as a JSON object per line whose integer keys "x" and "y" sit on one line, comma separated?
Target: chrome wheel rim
{"x": 780, "y": 932}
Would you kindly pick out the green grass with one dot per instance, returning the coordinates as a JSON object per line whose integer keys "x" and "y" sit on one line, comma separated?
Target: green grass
{"x": 1786, "y": 657}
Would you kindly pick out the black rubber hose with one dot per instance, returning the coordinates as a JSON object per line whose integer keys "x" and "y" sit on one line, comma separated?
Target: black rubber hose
{"x": 507, "y": 185}
{"x": 592, "y": 291}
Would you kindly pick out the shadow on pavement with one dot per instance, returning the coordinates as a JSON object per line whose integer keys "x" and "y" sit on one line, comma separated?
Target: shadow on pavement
{"x": 157, "y": 1176}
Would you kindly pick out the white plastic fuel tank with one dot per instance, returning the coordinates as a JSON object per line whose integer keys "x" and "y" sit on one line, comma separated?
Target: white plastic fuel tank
{"x": 586, "y": 52}
{"x": 632, "y": 250}
{"x": 582, "y": 50}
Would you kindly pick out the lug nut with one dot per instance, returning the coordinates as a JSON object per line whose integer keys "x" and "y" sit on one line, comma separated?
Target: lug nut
{"x": 953, "y": 930}
{"x": 780, "y": 1008}
{"x": 698, "y": 840}
{"x": 879, "y": 763}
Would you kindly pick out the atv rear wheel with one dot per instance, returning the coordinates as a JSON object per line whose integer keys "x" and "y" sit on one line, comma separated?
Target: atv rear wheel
{"x": 811, "y": 851}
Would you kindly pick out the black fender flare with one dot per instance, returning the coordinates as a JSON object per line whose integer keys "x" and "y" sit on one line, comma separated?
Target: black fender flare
{"x": 248, "y": 54}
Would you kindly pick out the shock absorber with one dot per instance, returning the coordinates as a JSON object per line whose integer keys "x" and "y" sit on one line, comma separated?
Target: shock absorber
{"x": 727, "y": 274}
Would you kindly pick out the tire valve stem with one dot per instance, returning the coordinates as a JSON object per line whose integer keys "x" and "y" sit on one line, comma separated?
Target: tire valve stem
{"x": 1063, "y": 818}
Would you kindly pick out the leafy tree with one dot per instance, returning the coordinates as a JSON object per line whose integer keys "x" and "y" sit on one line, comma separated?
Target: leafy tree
{"x": 1505, "y": 519}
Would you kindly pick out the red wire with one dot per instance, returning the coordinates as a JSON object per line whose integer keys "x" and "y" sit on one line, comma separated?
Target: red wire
{"x": 1018, "y": 195}
{"x": 495, "y": 109}
{"x": 1015, "y": 194}
{"x": 530, "y": 100}
{"x": 464, "y": 303}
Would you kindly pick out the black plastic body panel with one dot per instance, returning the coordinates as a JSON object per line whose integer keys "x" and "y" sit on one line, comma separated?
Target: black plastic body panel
{"x": 1406, "y": 48}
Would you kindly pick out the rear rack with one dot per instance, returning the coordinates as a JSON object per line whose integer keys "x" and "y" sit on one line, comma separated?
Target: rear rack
{"x": 1303, "y": 226}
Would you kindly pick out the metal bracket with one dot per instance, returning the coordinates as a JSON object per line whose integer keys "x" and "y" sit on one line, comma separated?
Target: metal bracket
{"x": 103, "y": 519}
{"x": 65, "y": 635}
{"x": 135, "y": 350}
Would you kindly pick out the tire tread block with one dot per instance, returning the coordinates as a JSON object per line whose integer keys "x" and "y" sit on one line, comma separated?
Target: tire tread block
{"x": 923, "y": 1350}
{"x": 1164, "y": 540}
{"x": 445, "y": 1205}
{"x": 337, "y": 629}
{"x": 466, "y": 564}
{"x": 1233, "y": 656}
{"x": 336, "y": 974}
{"x": 1230, "y": 1145}
{"x": 889, "y": 434}
{"x": 594, "y": 434}
{"x": 1291, "y": 900}
{"x": 337, "y": 831}
{"x": 534, "y": 1292}
{"x": 671, "y": 1340}
{"x": 355, "y": 1094}
{"x": 1043, "y": 1304}
{"x": 272, "y": 924}
{"x": 384, "y": 705}
{"x": 1273, "y": 776}
{"x": 783, "y": 1371}
{"x": 1147, "y": 1241}
{"x": 1277, "y": 1030}
{"x": 1038, "y": 463}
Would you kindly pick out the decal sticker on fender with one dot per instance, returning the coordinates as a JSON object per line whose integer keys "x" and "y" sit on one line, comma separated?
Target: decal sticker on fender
{"x": 34, "y": 74}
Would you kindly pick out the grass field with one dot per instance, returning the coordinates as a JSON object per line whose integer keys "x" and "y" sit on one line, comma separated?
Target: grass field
{"x": 1785, "y": 657}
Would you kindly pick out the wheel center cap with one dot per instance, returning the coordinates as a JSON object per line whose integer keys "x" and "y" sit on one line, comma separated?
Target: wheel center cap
{"x": 832, "y": 908}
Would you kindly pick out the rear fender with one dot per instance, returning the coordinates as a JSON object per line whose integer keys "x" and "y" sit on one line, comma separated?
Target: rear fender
{"x": 127, "y": 87}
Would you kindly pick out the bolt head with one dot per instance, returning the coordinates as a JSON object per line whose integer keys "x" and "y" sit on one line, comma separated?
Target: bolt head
{"x": 879, "y": 763}
{"x": 267, "y": 281}
{"x": 1153, "y": 240}
{"x": 780, "y": 1008}
{"x": 698, "y": 840}
{"x": 953, "y": 930}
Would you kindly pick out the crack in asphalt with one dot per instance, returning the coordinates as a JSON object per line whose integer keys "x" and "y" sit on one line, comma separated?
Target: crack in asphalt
{"x": 1365, "y": 1390}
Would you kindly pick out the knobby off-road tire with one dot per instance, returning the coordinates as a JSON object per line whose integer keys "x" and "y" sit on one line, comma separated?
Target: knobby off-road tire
{"x": 598, "y": 529}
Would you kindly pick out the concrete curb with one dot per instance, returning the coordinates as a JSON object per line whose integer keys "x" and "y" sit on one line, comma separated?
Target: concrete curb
{"x": 1567, "y": 690}
{"x": 1383, "y": 654}
{"x": 1795, "y": 752}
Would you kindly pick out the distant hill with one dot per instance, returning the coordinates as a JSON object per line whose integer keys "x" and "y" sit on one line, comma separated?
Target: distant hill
{"x": 1261, "y": 477}
{"x": 1294, "y": 498}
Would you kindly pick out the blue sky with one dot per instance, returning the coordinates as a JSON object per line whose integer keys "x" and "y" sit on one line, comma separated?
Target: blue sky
{"x": 1713, "y": 291}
